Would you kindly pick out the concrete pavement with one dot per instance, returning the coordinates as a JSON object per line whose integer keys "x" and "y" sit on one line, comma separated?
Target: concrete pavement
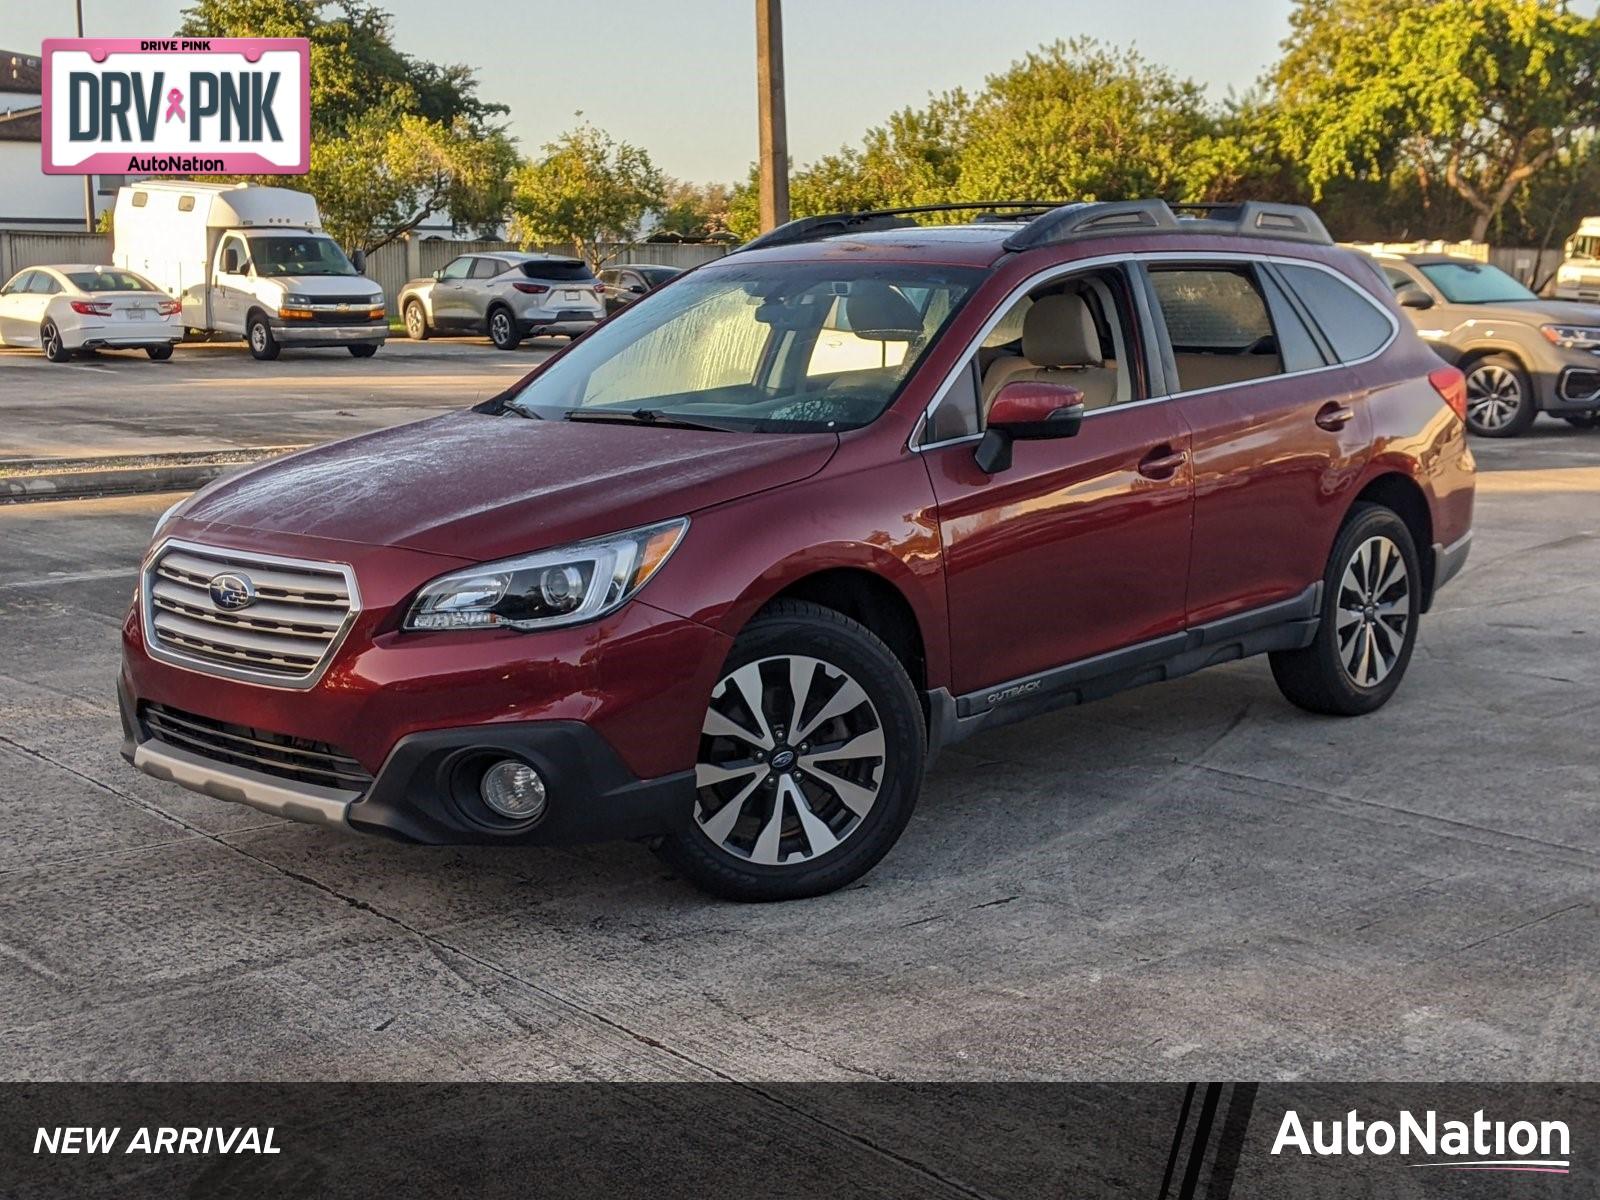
{"x": 1191, "y": 880}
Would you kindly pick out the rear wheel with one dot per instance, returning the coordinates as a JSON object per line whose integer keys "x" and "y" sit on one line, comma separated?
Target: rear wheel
{"x": 363, "y": 349}
{"x": 52, "y": 345}
{"x": 259, "y": 334}
{"x": 503, "y": 330}
{"x": 810, "y": 760}
{"x": 1371, "y": 598}
{"x": 159, "y": 353}
{"x": 1499, "y": 397}
{"x": 416, "y": 322}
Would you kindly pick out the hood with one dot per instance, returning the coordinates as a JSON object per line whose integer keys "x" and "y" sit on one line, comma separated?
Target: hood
{"x": 1538, "y": 312}
{"x": 481, "y": 487}
{"x": 324, "y": 285}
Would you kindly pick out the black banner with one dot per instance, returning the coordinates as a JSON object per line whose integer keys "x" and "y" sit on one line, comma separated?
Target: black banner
{"x": 1150, "y": 1141}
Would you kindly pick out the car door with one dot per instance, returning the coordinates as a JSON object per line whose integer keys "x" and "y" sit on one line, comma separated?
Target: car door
{"x": 449, "y": 301}
{"x": 1078, "y": 549}
{"x": 1279, "y": 433}
{"x": 21, "y": 310}
{"x": 231, "y": 294}
{"x": 479, "y": 290}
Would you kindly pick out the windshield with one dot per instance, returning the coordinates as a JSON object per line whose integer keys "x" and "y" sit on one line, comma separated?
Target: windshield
{"x": 108, "y": 281}
{"x": 301, "y": 255}
{"x": 769, "y": 347}
{"x": 1585, "y": 246}
{"x": 1470, "y": 283}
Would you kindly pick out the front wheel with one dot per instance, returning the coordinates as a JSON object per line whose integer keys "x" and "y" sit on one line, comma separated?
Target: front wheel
{"x": 416, "y": 322}
{"x": 363, "y": 349}
{"x": 50, "y": 341}
{"x": 259, "y": 334}
{"x": 1499, "y": 397}
{"x": 503, "y": 330}
{"x": 1371, "y": 598}
{"x": 810, "y": 760}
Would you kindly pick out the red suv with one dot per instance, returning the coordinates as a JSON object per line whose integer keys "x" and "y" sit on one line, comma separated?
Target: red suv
{"x": 727, "y": 572}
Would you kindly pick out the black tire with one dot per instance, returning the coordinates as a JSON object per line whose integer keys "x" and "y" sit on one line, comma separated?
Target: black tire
{"x": 416, "y": 319}
{"x": 503, "y": 331}
{"x": 847, "y": 654}
{"x": 52, "y": 345}
{"x": 363, "y": 349}
{"x": 159, "y": 353}
{"x": 1500, "y": 399}
{"x": 259, "y": 335}
{"x": 1583, "y": 420}
{"x": 1317, "y": 678}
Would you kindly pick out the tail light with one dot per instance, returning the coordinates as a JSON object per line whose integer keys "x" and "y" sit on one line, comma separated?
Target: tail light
{"x": 530, "y": 289}
{"x": 91, "y": 308}
{"x": 1451, "y": 385}
{"x": 599, "y": 288}
{"x": 170, "y": 308}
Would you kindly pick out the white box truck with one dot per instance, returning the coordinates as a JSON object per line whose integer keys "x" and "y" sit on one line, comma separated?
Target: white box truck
{"x": 249, "y": 261}
{"x": 1578, "y": 276}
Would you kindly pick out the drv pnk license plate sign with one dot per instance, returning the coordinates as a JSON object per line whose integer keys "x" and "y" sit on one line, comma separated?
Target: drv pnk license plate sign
{"x": 177, "y": 106}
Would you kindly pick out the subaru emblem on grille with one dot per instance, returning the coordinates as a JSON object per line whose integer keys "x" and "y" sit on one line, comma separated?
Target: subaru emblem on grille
{"x": 231, "y": 592}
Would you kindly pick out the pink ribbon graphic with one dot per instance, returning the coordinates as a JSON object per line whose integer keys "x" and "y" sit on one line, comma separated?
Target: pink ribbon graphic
{"x": 175, "y": 105}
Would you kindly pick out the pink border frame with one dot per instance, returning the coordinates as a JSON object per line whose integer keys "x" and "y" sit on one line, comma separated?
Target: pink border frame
{"x": 239, "y": 163}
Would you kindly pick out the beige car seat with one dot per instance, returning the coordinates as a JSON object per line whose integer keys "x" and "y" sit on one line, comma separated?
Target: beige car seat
{"x": 1060, "y": 344}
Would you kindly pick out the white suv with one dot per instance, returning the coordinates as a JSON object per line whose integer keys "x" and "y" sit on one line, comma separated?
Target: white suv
{"x": 507, "y": 295}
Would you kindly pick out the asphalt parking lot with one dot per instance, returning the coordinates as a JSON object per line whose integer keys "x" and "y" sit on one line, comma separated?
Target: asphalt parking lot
{"x": 1191, "y": 880}
{"x": 213, "y": 395}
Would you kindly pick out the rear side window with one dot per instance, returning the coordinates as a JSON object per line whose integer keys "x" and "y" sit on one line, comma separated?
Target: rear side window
{"x": 1218, "y": 325}
{"x": 1353, "y": 325}
{"x": 486, "y": 268}
{"x": 556, "y": 268}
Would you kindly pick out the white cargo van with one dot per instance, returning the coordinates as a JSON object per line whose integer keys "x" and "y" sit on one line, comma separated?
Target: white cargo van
{"x": 1578, "y": 276}
{"x": 249, "y": 261}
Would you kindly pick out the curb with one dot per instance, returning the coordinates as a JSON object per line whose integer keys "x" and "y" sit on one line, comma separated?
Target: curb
{"x": 38, "y": 480}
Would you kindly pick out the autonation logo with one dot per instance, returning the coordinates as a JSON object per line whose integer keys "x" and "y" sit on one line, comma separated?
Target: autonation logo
{"x": 1476, "y": 1145}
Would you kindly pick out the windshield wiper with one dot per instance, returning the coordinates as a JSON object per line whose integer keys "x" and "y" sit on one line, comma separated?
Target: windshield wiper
{"x": 642, "y": 416}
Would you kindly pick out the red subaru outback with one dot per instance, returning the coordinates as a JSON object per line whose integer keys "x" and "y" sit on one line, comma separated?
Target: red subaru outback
{"x": 727, "y": 572}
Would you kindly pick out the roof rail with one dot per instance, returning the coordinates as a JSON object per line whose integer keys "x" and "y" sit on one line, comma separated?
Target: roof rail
{"x": 1243, "y": 218}
{"x": 810, "y": 229}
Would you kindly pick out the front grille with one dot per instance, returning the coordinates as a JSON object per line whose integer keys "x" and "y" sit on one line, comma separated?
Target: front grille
{"x": 353, "y": 317}
{"x": 285, "y": 635}
{"x": 300, "y": 759}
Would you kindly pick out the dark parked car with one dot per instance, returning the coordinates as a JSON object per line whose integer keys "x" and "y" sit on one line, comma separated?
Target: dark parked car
{"x": 626, "y": 284}
{"x": 1522, "y": 355}
{"x": 702, "y": 580}
{"x": 507, "y": 295}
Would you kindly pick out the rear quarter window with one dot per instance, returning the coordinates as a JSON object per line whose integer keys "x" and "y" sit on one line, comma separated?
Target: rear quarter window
{"x": 1354, "y": 326}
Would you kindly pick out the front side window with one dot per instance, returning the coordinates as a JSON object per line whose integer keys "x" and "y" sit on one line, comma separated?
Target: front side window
{"x": 1218, "y": 325}
{"x": 1586, "y": 246}
{"x": 298, "y": 255}
{"x": 20, "y": 283}
{"x": 1474, "y": 283}
{"x": 456, "y": 268}
{"x": 738, "y": 347}
{"x": 1353, "y": 325}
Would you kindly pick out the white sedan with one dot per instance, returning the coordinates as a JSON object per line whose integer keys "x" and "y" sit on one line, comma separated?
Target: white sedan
{"x": 85, "y": 307}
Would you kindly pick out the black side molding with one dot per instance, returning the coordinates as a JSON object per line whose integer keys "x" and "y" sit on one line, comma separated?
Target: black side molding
{"x": 1286, "y": 625}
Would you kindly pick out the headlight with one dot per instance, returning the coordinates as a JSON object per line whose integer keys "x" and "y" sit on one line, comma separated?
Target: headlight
{"x": 375, "y": 299}
{"x": 296, "y": 301}
{"x": 553, "y": 587}
{"x": 1572, "y": 337}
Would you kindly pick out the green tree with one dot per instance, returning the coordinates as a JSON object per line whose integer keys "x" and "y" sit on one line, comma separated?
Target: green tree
{"x": 692, "y": 212}
{"x": 395, "y": 140}
{"x": 587, "y": 189}
{"x": 1470, "y": 97}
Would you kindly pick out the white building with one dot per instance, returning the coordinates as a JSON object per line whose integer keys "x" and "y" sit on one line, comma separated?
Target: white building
{"x": 30, "y": 199}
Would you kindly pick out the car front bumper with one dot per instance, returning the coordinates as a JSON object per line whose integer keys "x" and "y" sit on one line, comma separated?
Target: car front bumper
{"x": 308, "y": 333}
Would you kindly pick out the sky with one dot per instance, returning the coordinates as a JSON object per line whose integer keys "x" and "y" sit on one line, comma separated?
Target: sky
{"x": 678, "y": 78}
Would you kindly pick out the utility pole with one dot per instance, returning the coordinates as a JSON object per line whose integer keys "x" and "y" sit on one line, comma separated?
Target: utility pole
{"x": 88, "y": 180}
{"x": 774, "y": 127}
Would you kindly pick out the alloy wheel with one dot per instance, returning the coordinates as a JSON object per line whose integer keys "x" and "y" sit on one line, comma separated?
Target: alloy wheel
{"x": 414, "y": 321}
{"x": 500, "y": 327}
{"x": 1373, "y": 611}
{"x": 792, "y": 755}
{"x": 52, "y": 341}
{"x": 1494, "y": 395}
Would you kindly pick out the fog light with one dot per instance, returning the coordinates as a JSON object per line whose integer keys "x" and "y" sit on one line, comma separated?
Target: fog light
{"x": 514, "y": 790}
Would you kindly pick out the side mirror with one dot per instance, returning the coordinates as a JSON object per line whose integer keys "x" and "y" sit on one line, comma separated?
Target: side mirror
{"x": 230, "y": 261}
{"x": 1029, "y": 411}
{"x": 638, "y": 289}
{"x": 358, "y": 260}
{"x": 1412, "y": 296}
